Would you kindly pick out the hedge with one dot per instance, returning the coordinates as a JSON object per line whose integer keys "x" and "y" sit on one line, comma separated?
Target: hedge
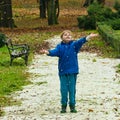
{"x": 109, "y": 35}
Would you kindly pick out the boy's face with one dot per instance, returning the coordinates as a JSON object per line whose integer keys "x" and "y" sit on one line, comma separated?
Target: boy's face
{"x": 67, "y": 37}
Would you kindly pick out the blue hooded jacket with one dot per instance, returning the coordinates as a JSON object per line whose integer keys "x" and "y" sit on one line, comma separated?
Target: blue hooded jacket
{"x": 67, "y": 54}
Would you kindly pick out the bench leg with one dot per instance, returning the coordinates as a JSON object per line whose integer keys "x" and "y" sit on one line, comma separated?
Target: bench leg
{"x": 11, "y": 60}
{"x": 26, "y": 60}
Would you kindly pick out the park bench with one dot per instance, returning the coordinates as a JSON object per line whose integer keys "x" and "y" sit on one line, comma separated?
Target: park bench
{"x": 17, "y": 50}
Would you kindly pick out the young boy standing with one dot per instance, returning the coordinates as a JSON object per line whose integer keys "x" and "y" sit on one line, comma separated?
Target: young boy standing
{"x": 67, "y": 52}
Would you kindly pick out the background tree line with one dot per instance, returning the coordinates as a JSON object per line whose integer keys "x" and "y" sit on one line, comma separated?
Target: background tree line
{"x": 48, "y": 9}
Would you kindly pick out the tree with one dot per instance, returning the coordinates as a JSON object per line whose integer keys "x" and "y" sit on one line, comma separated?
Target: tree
{"x": 51, "y": 7}
{"x": 53, "y": 11}
{"x": 43, "y": 8}
{"x": 6, "y": 14}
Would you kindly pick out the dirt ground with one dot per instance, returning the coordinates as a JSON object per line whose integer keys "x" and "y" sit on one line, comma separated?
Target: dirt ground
{"x": 98, "y": 91}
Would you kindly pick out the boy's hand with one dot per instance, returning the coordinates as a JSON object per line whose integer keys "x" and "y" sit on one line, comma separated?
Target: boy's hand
{"x": 93, "y": 35}
{"x": 43, "y": 51}
{"x": 90, "y": 36}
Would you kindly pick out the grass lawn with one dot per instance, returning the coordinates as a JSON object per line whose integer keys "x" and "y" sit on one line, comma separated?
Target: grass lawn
{"x": 12, "y": 78}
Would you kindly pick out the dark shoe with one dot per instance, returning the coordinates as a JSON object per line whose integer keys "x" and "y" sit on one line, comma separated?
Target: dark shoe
{"x": 72, "y": 109}
{"x": 63, "y": 109}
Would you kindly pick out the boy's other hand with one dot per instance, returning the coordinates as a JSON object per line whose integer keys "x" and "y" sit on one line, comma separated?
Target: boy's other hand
{"x": 90, "y": 36}
{"x": 43, "y": 51}
{"x": 93, "y": 35}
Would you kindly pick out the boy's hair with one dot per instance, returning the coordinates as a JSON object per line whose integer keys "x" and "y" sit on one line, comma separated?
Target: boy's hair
{"x": 61, "y": 36}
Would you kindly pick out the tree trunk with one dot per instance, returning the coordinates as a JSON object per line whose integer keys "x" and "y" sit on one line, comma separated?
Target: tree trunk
{"x": 57, "y": 7}
{"x": 52, "y": 16}
{"x": 43, "y": 8}
{"x": 6, "y": 14}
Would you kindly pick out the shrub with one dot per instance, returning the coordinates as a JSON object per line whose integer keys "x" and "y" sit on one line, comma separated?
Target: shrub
{"x": 115, "y": 24}
{"x": 101, "y": 13}
{"x": 86, "y": 22}
{"x": 97, "y": 13}
{"x": 95, "y": 9}
{"x": 2, "y": 39}
{"x": 90, "y": 22}
{"x": 81, "y": 21}
{"x": 108, "y": 14}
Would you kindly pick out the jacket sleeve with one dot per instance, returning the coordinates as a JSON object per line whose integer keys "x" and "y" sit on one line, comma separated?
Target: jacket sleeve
{"x": 78, "y": 44}
{"x": 54, "y": 52}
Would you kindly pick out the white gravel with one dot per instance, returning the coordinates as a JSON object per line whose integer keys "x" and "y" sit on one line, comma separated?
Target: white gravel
{"x": 98, "y": 91}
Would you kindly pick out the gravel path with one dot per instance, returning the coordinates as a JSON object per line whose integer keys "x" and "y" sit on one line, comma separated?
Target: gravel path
{"x": 98, "y": 91}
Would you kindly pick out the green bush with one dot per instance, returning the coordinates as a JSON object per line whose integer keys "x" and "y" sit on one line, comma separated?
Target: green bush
{"x": 97, "y": 13}
{"x": 101, "y": 13}
{"x": 86, "y": 22}
{"x": 81, "y": 21}
{"x": 2, "y": 39}
{"x": 90, "y": 22}
{"x": 95, "y": 9}
{"x": 115, "y": 24}
{"x": 108, "y": 14}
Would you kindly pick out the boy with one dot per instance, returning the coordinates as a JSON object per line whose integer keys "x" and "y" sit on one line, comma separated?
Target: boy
{"x": 67, "y": 52}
